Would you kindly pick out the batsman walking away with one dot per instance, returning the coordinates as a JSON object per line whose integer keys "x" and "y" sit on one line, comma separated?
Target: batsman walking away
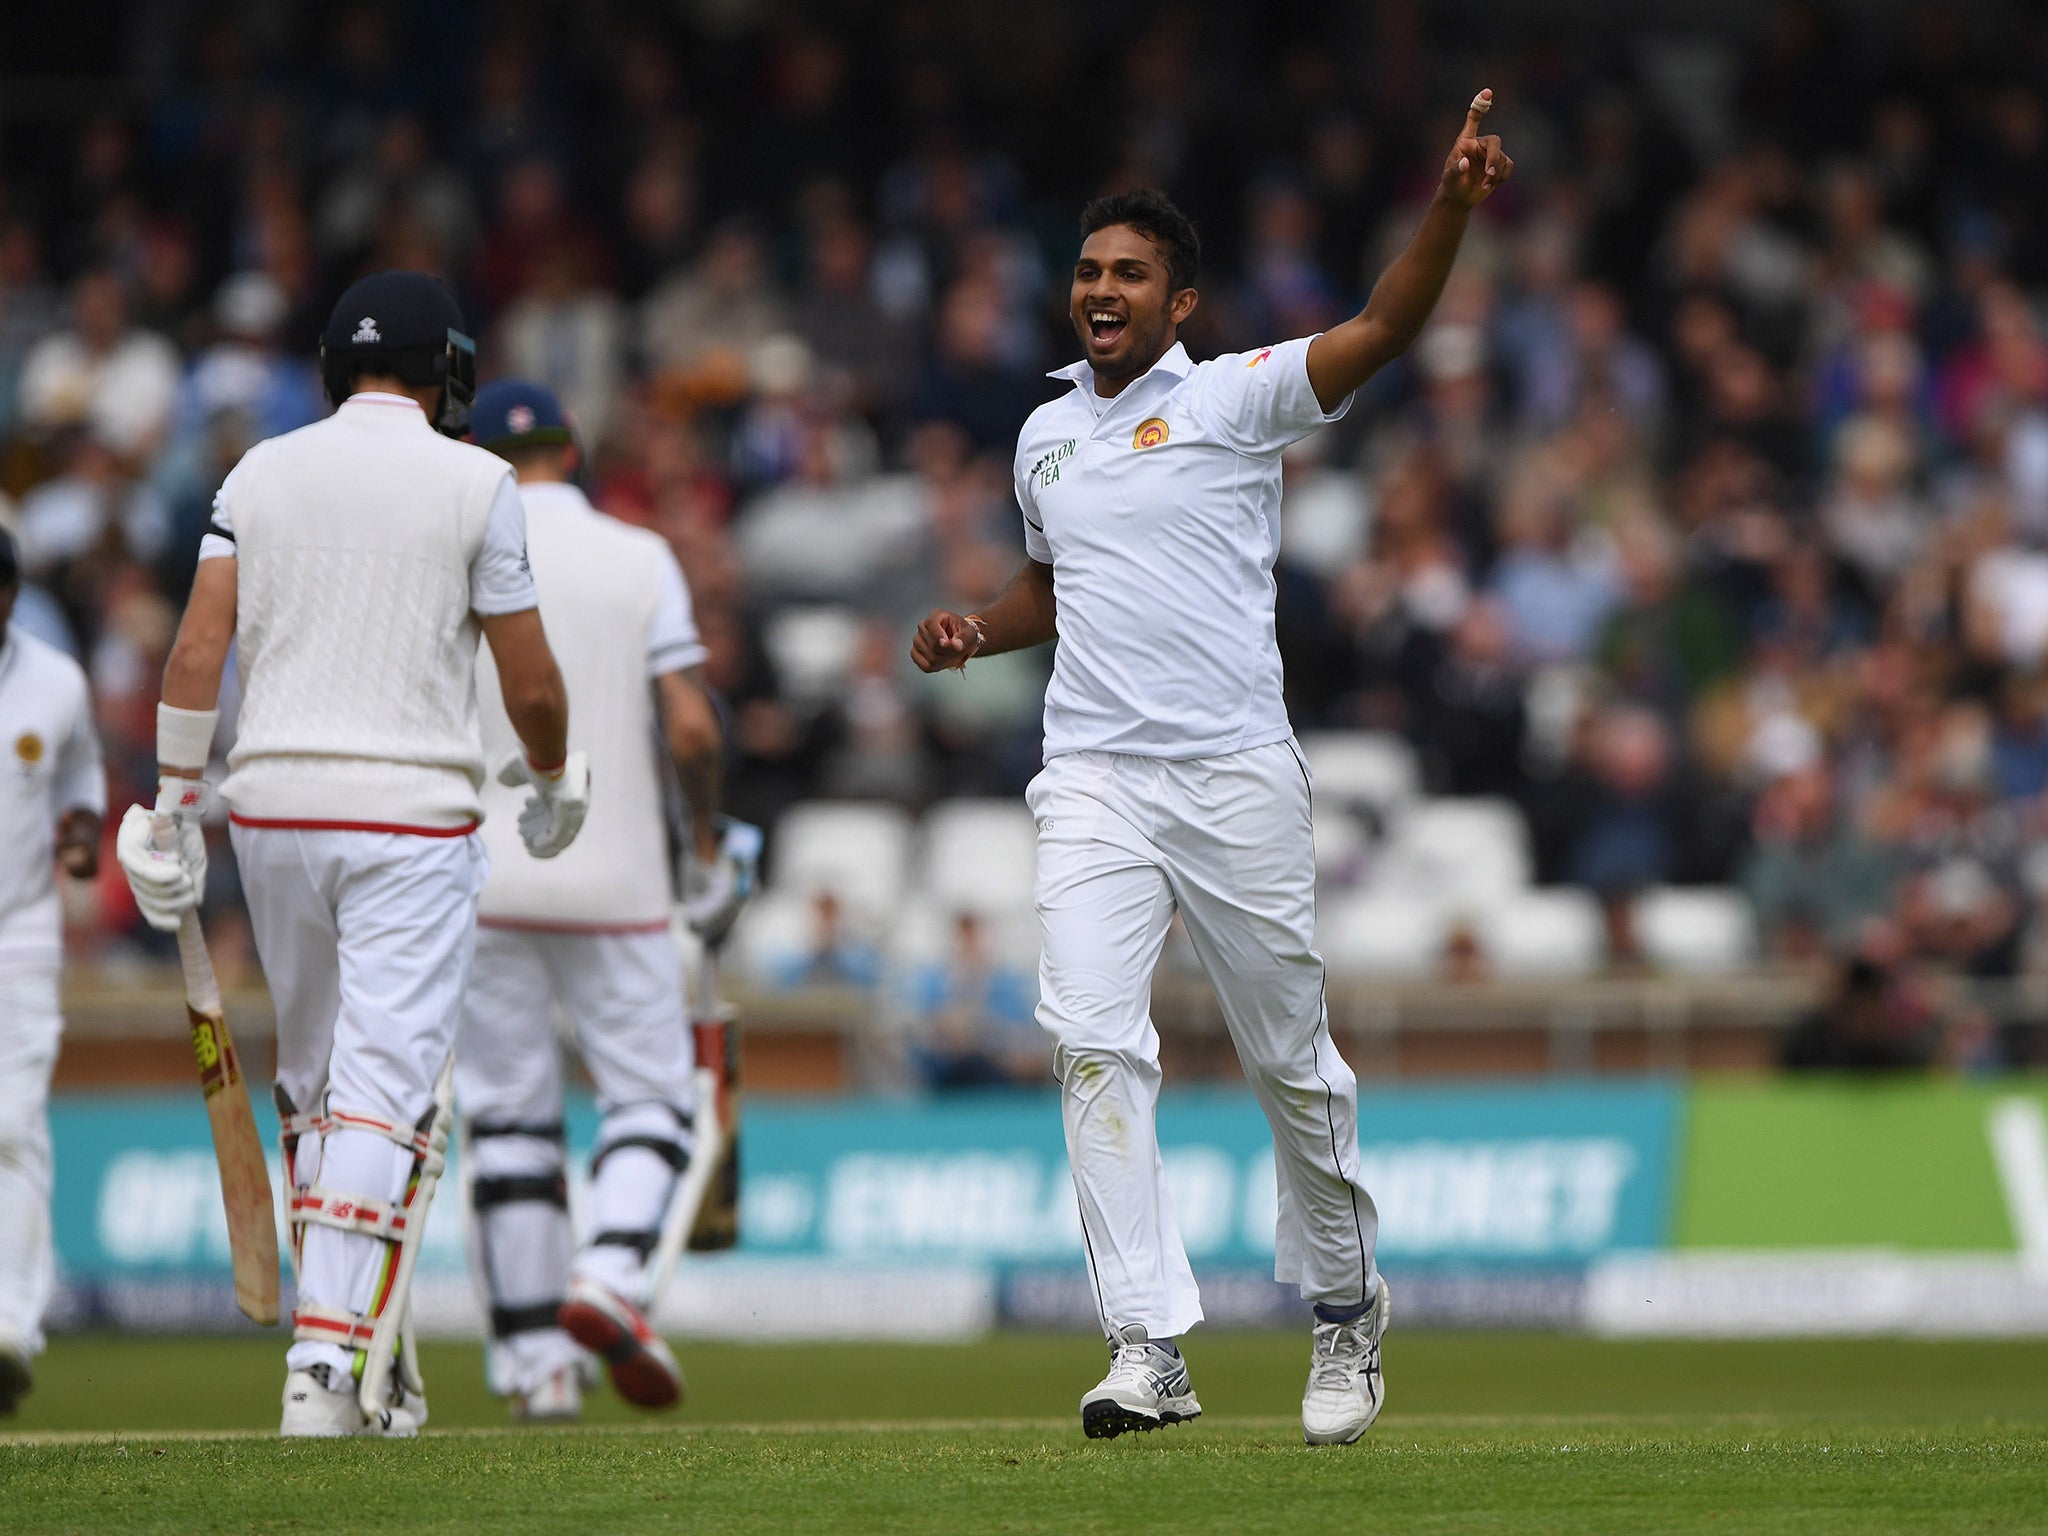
{"x": 354, "y": 564}
{"x": 589, "y": 933}
{"x": 1172, "y": 782}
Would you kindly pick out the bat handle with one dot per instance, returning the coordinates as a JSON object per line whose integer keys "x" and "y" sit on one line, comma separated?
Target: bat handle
{"x": 202, "y": 988}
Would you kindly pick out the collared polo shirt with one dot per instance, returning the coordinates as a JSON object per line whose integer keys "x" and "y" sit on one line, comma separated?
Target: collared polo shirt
{"x": 1159, "y": 512}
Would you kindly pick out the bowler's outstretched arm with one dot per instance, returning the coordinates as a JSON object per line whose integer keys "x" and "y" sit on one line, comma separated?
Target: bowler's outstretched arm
{"x": 1346, "y": 355}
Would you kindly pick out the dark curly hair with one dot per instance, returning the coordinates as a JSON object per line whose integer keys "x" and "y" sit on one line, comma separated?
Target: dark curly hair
{"x": 1152, "y": 214}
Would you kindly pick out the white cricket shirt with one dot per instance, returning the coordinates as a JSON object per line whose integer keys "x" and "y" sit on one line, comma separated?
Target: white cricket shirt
{"x": 49, "y": 765}
{"x": 366, "y": 547}
{"x": 1159, "y": 512}
{"x": 618, "y": 616}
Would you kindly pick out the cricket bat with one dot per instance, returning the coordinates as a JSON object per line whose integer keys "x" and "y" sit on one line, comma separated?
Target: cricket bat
{"x": 703, "y": 1213}
{"x": 244, "y": 1177}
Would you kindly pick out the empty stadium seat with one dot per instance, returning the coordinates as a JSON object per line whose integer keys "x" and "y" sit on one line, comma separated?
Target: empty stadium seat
{"x": 1382, "y": 934}
{"x": 1362, "y": 768}
{"x": 812, "y": 648}
{"x": 859, "y": 852}
{"x": 1543, "y": 934}
{"x": 1466, "y": 854}
{"x": 980, "y": 855}
{"x": 1696, "y": 930}
{"x": 774, "y": 933}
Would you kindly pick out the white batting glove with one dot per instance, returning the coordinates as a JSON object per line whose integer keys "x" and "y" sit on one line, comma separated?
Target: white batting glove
{"x": 714, "y": 892}
{"x": 167, "y": 882}
{"x": 550, "y": 820}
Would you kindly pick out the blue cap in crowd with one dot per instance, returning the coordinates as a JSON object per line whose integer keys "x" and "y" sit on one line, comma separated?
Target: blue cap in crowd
{"x": 512, "y": 413}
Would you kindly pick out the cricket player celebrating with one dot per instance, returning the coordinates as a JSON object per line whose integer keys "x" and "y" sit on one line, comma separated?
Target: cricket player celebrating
{"x": 1151, "y": 500}
{"x": 353, "y": 563}
{"x": 591, "y": 932}
{"x": 53, "y": 794}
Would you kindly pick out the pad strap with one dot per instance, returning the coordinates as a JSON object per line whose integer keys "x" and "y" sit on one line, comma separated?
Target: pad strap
{"x": 495, "y": 1190}
{"x": 672, "y": 1152}
{"x": 350, "y": 1213}
{"x": 534, "y": 1318}
{"x": 483, "y": 1130}
{"x": 332, "y": 1325}
{"x": 642, "y": 1243}
{"x": 418, "y": 1140}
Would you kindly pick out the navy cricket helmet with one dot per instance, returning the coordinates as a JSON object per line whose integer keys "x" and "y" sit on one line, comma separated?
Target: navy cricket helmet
{"x": 406, "y": 324}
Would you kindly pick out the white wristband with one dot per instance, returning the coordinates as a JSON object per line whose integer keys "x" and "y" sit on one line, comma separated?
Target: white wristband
{"x": 184, "y": 737}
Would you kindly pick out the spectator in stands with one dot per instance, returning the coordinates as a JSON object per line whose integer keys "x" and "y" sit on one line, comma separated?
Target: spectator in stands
{"x": 970, "y": 382}
{"x": 1815, "y": 878}
{"x": 568, "y": 332}
{"x": 973, "y": 1018}
{"x": 704, "y": 322}
{"x": 102, "y": 374}
{"x": 835, "y": 957}
{"x": 1556, "y": 590}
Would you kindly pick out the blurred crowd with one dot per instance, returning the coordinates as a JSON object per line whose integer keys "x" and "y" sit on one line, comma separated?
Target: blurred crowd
{"x": 1708, "y": 521}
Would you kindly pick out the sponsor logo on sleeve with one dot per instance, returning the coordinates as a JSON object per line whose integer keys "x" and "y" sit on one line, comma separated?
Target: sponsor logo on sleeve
{"x": 1259, "y": 357}
{"x": 28, "y": 746}
{"x": 1150, "y": 434}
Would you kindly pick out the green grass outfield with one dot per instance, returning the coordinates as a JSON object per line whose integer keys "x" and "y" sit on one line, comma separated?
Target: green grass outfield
{"x": 1483, "y": 1433}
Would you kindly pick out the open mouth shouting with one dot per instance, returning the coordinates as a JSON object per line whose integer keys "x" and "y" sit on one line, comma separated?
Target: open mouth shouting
{"x": 1106, "y": 325}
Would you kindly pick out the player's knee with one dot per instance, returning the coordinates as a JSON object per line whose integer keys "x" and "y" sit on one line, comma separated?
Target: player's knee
{"x": 660, "y": 1130}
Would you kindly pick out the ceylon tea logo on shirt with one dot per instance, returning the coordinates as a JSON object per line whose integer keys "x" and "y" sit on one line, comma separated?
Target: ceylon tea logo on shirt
{"x": 28, "y": 746}
{"x": 1150, "y": 434}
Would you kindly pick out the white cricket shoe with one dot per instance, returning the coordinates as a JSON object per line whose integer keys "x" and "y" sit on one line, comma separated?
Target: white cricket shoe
{"x": 1147, "y": 1386}
{"x": 557, "y": 1400}
{"x": 1345, "y": 1389}
{"x": 318, "y": 1409}
{"x": 643, "y": 1370}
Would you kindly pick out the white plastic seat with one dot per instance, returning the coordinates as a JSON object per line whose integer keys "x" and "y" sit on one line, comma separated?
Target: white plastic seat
{"x": 1362, "y": 768}
{"x": 1344, "y": 849}
{"x": 1469, "y": 854}
{"x": 1543, "y": 934}
{"x": 1696, "y": 930}
{"x": 1384, "y": 934}
{"x": 1325, "y": 519}
{"x": 773, "y": 935}
{"x": 980, "y": 855}
{"x": 860, "y": 852}
{"x": 812, "y": 648}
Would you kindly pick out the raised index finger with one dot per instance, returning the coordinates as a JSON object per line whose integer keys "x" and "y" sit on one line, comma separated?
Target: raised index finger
{"x": 1481, "y": 105}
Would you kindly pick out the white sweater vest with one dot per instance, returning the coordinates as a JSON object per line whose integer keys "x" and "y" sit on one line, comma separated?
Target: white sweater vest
{"x": 597, "y": 579}
{"x": 354, "y": 539}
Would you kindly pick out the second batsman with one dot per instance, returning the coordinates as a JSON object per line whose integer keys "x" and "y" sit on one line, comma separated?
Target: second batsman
{"x": 589, "y": 931}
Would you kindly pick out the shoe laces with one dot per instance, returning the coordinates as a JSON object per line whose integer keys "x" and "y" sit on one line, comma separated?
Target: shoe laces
{"x": 1140, "y": 1364}
{"x": 1342, "y": 1351}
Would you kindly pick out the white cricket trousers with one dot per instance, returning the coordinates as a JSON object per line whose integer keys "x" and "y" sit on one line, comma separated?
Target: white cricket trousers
{"x": 1124, "y": 842}
{"x": 29, "y": 1028}
{"x": 622, "y": 992}
{"x": 366, "y": 940}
